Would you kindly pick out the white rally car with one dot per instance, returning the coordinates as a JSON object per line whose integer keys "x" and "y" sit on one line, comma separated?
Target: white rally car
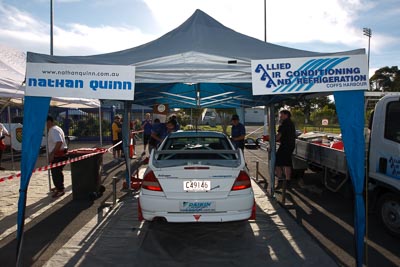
{"x": 196, "y": 177}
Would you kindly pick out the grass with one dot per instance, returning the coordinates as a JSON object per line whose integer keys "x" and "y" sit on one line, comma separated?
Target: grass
{"x": 334, "y": 129}
{"x": 217, "y": 128}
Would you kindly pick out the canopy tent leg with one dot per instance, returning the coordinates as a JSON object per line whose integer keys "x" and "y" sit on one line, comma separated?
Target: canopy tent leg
{"x": 47, "y": 153}
{"x": 100, "y": 127}
{"x": 265, "y": 131}
{"x": 125, "y": 140}
{"x": 272, "y": 148}
{"x": 11, "y": 142}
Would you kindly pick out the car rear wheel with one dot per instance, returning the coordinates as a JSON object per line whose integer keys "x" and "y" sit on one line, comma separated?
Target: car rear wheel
{"x": 389, "y": 213}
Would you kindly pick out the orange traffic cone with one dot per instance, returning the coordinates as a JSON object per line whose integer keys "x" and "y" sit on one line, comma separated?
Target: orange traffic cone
{"x": 132, "y": 145}
{"x": 135, "y": 183}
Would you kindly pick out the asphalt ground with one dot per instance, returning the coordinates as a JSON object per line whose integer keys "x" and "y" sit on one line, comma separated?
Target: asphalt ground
{"x": 52, "y": 227}
{"x": 89, "y": 232}
{"x": 326, "y": 216}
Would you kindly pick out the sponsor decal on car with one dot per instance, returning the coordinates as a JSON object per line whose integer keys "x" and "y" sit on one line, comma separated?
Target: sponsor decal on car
{"x": 189, "y": 206}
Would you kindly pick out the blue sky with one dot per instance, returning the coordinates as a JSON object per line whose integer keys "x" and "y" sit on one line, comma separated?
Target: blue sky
{"x": 87, "y": 27}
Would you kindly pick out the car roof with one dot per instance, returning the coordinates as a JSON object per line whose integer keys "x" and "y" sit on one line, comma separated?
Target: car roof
{"x": 196, "y": 134}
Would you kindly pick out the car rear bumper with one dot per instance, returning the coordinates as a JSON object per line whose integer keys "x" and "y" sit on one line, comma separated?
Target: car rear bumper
{"x": 233, "y": 208}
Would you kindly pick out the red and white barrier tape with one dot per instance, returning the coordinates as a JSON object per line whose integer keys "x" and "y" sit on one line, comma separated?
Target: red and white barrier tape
{"x": 132, "y": 132}
{"x": 135, "y": 132}
{"x": 65, "y": 162}
{"x": 110, "y": 148}
{"x": 54, "y": 165}
{"x": 10, "y": 177}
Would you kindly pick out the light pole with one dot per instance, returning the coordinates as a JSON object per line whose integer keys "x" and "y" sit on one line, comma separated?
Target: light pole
{"x": 367, "y": 32}
{"x": 265, "y": 20}
{"x": 51, "y": 26}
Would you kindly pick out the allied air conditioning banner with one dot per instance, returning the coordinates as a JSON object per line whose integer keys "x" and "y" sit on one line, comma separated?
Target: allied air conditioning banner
{"x": 309, "y": 74}
{"x": 82, "y": 81}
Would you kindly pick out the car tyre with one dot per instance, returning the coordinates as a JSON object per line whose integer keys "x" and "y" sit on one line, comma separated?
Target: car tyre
{"x": 389, "y": 213}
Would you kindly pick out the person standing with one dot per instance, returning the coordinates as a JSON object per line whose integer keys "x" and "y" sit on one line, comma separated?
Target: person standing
{"x": 57, "y": 148}
{"x": 117, "y": 138}
{"x": 238, "y": 132}
{"x": 146, "y": 127}
{"x": 3, "y": 134}
{"x": 170, "y": 126}
{"x": 158, "y": 132}
{"x": 287, "y": 138}
{"x": 177, "y": 125}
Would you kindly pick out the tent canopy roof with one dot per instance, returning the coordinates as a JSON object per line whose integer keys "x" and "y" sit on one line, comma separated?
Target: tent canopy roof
{"x": 201, "y": 63}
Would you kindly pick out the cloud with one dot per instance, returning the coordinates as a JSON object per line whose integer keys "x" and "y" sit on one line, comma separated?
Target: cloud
{"x": 93, "y": 40}
{"x": 23, "y": 31}
{"x": 67, "y": 1}
{"x": 288, "y": 21}
{"x": 322, "y": 26}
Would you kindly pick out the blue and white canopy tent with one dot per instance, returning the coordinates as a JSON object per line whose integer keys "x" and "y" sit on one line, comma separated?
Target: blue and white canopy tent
{"x": 202, "y": 63}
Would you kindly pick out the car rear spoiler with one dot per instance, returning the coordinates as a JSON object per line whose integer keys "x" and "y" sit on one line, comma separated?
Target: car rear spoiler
{"x": 162, "y": 152}
{"x": 186, "y": 154}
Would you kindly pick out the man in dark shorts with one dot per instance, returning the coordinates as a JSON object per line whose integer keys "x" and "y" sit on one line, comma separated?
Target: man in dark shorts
{"x": 117, "y": 137}
{"x": 287, "y": 138}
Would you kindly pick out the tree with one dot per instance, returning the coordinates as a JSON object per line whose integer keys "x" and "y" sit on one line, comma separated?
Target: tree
{"x": 325, "y": 113}
{"x": 386, "y": 79}
{"x": 307, "y": 106}
{"x": 182, "y": 117}
{"x": 225, "y": 116}
{"x": 194, "y": 114}
{"x": 297, "y": 117}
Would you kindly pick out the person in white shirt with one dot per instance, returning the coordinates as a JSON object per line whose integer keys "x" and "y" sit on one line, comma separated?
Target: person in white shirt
{"x": 57, "y": 152}
{"x": 3, "y": 134}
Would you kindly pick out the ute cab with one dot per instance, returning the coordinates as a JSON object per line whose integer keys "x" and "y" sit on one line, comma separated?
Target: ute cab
{"x": 384, "y": 161}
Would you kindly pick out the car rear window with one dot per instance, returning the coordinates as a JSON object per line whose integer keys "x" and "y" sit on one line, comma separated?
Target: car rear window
{"x": 196, "y": 150}
{"x": 185, "y": 143}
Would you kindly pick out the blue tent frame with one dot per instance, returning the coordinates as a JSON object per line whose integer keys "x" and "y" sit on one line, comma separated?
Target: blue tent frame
{"x": 221, "y": 79}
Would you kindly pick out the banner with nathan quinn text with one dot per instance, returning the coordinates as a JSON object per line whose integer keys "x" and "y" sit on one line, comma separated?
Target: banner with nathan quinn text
{"x": 82, "y": 81}
{"x": 309, "y": 74}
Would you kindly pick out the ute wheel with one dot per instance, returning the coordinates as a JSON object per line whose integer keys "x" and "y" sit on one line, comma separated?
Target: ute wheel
{"x": 389, "y": 213}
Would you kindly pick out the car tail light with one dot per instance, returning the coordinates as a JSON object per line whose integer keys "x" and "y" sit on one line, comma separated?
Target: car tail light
{"x": 150, "y": 182}
{"x": 242, "y": 182}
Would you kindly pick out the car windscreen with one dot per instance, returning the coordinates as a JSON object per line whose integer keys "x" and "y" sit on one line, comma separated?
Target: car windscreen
{"x": 196, "y": 150}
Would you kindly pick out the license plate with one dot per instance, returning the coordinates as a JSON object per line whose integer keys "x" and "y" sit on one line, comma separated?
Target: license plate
{"x": 196, "y": 185}
{"x": 197, "y": 206}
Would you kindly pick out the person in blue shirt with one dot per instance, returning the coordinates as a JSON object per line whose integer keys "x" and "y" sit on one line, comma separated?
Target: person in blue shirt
{"x": 147, "y": 126}
{"x": 158, "y": 132}
{"x": 238, "y": 132}
{"x": 177, "y": 126}
{"x": 171, "y": 126}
